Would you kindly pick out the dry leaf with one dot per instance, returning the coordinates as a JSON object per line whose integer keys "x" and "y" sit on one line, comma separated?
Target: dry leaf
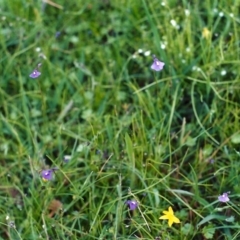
{"x": 54, "y": 207}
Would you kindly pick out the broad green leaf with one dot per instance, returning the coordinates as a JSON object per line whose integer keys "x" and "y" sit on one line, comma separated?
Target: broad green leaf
{"x": 208, "y": 231}
{"x": 187, "y": 229}
{"x": 209, "y": 218}
{"x": 235, "y": 138}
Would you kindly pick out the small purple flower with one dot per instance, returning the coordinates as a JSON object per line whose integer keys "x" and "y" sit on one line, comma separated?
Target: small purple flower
{"x": 67, "y": 158}
{"x": 47, "y": 175}
{"x": 223, "y": 198}
{"x": 132, "y": 204}
{"x": 157, "y": 65}
{"x": 98, "y": 151}
{"x": 211, "y": 161}
{"x": 35, "y": 74}
{"x": 57, "y": 34}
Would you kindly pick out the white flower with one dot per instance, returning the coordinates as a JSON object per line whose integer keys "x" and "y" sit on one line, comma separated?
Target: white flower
{"x": 42, "y": 56}
{"x": 163, "y": 46}
{"x": 187, "y": 12}
{"x": 147, "y": 53}
{"x": 173, "y": 22}
{"x": 223, "y": 72}
{"x": 221, "y": 14}
{"x": 194, "y": 68}
{"x": 38, "y": 49}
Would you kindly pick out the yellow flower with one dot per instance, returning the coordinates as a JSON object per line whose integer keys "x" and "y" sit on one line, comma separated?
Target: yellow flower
{"x": 170, "y": 216}
{"x": 206, "y": 33}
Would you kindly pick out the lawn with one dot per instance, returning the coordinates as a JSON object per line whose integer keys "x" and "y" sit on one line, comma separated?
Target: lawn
{"x": 120, "y": 119}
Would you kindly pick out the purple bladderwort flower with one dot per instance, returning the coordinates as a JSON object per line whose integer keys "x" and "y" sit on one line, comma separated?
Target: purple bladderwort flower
{"x": 157, "y": 65}
{"x": 132, "y": 204}
{"x": 67, "y": 158}
{"x": 57, "y": 34}
{"x": 47, "y": 175}
{"x": 224, "y": 197}
{"x": 211, "y": 161}
{"x": 35, "y": 73}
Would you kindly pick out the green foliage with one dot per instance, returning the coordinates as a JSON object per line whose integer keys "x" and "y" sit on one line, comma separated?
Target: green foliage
{"x": 166, "y": 138}
{"x": 208, "y": 231}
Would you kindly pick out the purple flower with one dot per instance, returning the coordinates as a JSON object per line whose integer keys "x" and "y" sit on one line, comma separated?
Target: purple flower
{"x": 47, "y": 175}
{"x": 67, "y": 158}
{"x": 132, "y": 204}
{"x": 223, "y": 198}
{"x": 35, "y": 74}
{"x": 157, "y": 65}
{"x": 211, "y": 161}
{"x": 57, "y": 34}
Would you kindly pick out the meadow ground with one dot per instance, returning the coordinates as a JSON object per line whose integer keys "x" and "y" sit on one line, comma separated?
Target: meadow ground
{"x": 95, "y": 144}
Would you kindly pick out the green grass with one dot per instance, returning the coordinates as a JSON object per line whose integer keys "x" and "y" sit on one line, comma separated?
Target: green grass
{"x": 132, "y": 133}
